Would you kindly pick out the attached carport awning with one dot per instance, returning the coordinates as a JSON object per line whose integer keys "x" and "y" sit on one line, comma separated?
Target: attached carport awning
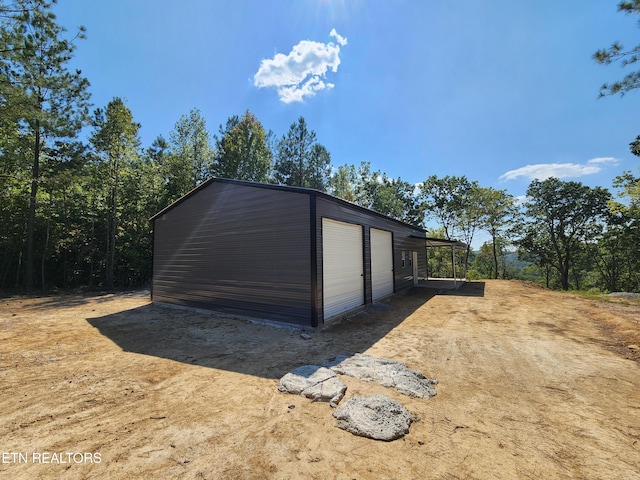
{"x": 454, "y": 245}
{"x": 439, "y": 242}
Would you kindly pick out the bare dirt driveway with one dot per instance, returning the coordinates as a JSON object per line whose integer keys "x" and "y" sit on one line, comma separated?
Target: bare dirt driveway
{"x": 532, "y": 384}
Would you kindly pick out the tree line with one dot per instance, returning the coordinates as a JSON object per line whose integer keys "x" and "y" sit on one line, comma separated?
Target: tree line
{"x": 76, "y": 206}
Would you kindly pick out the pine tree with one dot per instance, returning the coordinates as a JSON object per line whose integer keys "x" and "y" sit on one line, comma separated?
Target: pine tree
{"x": 37, "y": 91}
{"x": 242, "y": 152}
{"x": 300, "y": 161}
{"x": 116, "y": 141}
{"x": 190, "y": 158}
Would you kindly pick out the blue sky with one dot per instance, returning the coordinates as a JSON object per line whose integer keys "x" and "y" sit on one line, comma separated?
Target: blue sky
{"x": 498, "y": 90}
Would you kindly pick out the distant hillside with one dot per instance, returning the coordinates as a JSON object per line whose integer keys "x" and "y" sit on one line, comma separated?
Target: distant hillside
{"x": 515, "y": 263}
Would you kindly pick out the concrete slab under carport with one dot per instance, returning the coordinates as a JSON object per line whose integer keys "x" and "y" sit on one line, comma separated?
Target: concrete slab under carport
{"x": 441, "y": 283}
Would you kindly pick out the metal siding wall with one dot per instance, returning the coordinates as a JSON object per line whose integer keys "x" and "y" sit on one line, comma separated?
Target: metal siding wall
{"x": 422, "y": 261}
{"x": 381, "y": 263}
{"x": 403, "y": 277}
{"x": 342, "y": 266}
{"x": 236, "y": 248}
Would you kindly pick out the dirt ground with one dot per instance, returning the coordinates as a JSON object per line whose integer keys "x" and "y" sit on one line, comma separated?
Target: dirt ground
{"x": 532, "y": 384}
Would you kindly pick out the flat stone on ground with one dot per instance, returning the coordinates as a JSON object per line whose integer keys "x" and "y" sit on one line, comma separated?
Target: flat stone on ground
{"x": 387, "y": 373}
{"x": 378, "y": 417}
{"x": 314, "y": 382}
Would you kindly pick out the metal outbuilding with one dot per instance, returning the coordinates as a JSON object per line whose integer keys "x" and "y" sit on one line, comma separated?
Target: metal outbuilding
{"x": 280, "y": 253}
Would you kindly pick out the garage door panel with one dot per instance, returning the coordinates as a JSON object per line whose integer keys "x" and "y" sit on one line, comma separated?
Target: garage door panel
{"x": 381, "y": 263}
{"x": 342, "y": 267}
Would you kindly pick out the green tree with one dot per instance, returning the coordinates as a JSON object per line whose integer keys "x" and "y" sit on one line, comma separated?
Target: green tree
{"x": 116, "y": 142}
{"x": 629, "y": 186}
{"x": 63, "y": 209}
{"x": 342, "y": 183}
{"x": 535, "y": 247}
{"x": 483, "y": 264}
{"x": 619, "y": 254}
{"x": 14, "y": 199}
{"x": 191, "y": 156}
{"x": 471, "y": 215}
{"x": 38, "y": 93}
{"x": 242, "y": 152}
{"x": 319, "y": 169}
{"x": 393, "y": 197}
{"x": 439, "y": 258}
{"x": 617, "y": 53}
{"x": 300, "y": 161}
{"x": 498, "y": 213}
{"x": 626, "y": 232}
{"x": 635, "y": 146}
{"x": 443, "y": 200}
{"x": 155, "y": 157}
{"x": 141, "y": 184}
{"x": 455, "y": 203}
{"x": 560, "y": 218}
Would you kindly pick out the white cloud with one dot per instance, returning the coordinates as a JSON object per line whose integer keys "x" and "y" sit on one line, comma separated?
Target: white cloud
{"x": 296, "y": 93}
{"x": 339, "y": 38}
{"x": 521, "y": 199}
{"x": 301, "y": 73}
{"x": 542, "y": 171}
{"x": 603, "y": 161}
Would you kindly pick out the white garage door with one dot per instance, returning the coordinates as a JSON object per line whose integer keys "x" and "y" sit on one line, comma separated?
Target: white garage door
{"x": 381, "y": 263}
{"x": 342, "y": 267}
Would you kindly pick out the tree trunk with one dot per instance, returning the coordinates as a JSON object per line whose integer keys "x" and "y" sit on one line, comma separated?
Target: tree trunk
{"x": 576, "y": 278}
{"x": 44, "y": 252}
{"x": 18, "y": 269}
{"x": 564, "y": 275}
{"x": 31, "y": 218}
{"x": 547, "y": 275}
{"x": 466, "y": 258}
{"x": 495, "y": 256}
{"x": 93, "y": 249}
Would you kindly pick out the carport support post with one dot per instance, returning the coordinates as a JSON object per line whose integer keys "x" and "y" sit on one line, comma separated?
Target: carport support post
{"x": 426, "y": 256}
{"x": 453, "y": 265}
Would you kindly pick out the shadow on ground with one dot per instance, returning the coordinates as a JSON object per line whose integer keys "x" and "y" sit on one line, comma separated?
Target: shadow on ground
{"x": 468, "y": 289}
{"x": 67, "y": 299}
{"x": 227, "y": 343}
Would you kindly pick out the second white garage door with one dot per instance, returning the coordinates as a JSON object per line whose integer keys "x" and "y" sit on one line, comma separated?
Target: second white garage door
{"x": 342, "y": 267}
{"x": 381, "y": 263}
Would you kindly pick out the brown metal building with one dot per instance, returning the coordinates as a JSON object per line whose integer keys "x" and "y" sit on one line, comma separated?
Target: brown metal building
{"x": 279, "y": 253}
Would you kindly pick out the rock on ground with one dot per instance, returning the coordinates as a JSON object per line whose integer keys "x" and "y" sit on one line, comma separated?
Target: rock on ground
{"x": 388, "y": 373}
{"x": 625, "y": 294}
{"x": 314, "y": 382}
{"x": 378, "y": 417}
